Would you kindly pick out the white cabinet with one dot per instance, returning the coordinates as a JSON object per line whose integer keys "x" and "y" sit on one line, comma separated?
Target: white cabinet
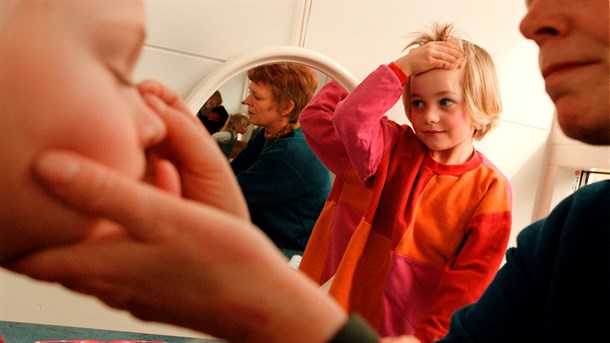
{"x": 568, "y": 165}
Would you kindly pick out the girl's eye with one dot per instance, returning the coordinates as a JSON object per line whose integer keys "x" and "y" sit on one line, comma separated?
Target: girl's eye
{"x": 445, "y": 102}
{"x": 417, "y": 103}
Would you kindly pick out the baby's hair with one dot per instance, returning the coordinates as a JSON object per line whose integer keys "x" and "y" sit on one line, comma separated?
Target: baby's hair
{"x": 235, "y": 121}
{"x": 479, "y": 82}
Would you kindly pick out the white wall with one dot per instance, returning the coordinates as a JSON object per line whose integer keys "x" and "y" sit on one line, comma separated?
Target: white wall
{"x": 188, "y": 38}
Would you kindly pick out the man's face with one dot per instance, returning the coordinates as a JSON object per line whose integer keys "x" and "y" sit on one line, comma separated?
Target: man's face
{"x": 574, "y": 60}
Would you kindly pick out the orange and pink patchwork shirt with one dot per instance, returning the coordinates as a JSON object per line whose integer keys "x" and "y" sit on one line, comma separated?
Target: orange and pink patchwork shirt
{"x": 405, "y": 239}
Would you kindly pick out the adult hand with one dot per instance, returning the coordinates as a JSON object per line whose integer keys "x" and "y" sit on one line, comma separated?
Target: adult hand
{"x": 204, "y": 173}
{"x": 197, "y": 262}
{"x": 441, "y": 55}
{"x": 181, "y": 262}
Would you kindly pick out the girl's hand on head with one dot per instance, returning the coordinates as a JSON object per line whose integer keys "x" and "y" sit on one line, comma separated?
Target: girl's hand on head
{"x": 203, "y": 171}
{"x": 433, "y": 55}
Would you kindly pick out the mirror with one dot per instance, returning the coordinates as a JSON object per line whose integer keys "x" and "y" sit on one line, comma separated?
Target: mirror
{"x": 236, "y": 89}
{"x": 273, "y": 54}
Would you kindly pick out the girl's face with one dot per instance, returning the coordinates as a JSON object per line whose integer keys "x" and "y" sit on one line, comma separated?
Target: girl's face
{"x": 65, "y": 83}
{"x": 262, "y": 109}
{"x": 439, "y": 116}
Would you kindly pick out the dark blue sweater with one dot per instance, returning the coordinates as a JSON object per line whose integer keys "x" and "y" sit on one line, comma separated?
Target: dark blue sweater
{"x": 285, "y": 186}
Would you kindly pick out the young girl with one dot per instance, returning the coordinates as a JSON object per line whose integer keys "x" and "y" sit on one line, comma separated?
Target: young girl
{"x": 418, "y": 220}
{"x": 227, "y": 136}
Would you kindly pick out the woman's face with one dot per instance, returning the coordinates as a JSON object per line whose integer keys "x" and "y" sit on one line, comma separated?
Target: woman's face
{"x": 262, "y": 108}
{"x": 65, "y": 83}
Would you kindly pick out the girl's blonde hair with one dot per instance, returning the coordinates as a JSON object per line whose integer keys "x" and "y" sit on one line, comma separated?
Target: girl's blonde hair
{"x": 479, "y": 81}
{"x": 236, "y": 121}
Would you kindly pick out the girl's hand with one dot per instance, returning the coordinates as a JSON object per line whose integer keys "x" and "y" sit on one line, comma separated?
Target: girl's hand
{"x": 432, "y": 55}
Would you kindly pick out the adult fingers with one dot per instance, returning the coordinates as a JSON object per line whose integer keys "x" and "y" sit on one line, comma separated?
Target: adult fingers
{"x": 167, "y": 95}
{"x": 204, "y": 171}
{"x": 99, "y": 191}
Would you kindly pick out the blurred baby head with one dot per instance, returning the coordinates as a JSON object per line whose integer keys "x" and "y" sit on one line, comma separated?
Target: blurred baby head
{"x": 65, "y": 83}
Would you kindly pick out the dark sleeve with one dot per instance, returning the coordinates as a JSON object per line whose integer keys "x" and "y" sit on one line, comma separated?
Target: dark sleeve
{"x": 355, "y": 330}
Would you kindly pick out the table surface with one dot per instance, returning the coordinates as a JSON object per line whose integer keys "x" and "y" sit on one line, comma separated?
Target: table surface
{"x": 15, "y": 332}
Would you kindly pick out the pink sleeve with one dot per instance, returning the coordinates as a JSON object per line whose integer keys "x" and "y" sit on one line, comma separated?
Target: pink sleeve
{"x": 360, "y": 120}
{"x": 316, "y": 124}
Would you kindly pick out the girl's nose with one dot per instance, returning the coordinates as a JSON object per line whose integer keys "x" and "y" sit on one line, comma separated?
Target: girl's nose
{"x": 430, "y": 116}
